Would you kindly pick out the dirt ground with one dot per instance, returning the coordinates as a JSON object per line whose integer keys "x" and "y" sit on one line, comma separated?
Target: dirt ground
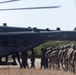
{"x": 15, "y": 70}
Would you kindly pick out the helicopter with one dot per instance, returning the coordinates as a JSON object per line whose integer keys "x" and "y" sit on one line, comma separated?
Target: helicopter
{"x": 22, "y": 39}
{"x": 16, "y": 39}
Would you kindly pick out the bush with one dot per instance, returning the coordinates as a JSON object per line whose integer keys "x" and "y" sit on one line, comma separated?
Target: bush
{"x": 53, "y": 44}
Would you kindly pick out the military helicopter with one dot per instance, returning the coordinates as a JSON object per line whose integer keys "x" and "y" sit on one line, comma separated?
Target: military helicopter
{"x": 15, "y": 39}
{"x": 21, "y": 39}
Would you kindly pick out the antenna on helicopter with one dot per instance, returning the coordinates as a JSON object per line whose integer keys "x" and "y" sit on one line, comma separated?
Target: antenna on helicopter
{"x": 4, "y": 24}
{"x": 58, "y": 28}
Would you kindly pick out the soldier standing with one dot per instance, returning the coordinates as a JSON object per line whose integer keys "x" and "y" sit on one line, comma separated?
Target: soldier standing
{"x": 44, "y": 60}
{"x": 24, "y": 56}
{"x": 32, "y": 59}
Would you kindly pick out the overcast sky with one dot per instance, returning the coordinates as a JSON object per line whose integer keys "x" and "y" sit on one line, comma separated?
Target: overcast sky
{"x": 63, "y": 17}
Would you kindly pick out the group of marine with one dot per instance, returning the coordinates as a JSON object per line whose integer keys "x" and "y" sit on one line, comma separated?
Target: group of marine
{"x": 53, "y": 58}
{"x": 62, "y": 58}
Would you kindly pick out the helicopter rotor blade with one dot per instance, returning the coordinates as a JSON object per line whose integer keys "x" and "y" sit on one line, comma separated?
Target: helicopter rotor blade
{"x": 8, "y": 1}
{"x": 30, "y": 8}
{"x": 75, "y": 3}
